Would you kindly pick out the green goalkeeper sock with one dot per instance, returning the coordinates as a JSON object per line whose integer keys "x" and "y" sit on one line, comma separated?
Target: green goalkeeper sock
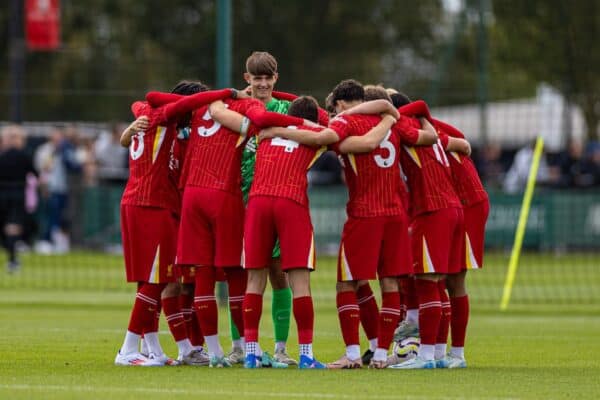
{"x": 235, "y": 334}
{"x": 281, "y": 310}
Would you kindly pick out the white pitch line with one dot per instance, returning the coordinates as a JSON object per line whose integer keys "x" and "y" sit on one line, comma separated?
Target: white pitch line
{"x": 232, "y": 393}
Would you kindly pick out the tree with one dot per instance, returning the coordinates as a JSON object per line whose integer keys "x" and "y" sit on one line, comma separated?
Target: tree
{"x": 554, "y": 41}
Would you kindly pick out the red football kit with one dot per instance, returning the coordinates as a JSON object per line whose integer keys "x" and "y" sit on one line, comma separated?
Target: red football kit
{"x": 474, "y": 199}
{"x": 435, "y": 209}
{"x": 375, "y": 237}
{"x": 278, "y": 205}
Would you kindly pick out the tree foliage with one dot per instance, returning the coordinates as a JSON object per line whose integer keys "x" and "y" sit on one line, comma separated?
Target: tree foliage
{"x": 557, "y": 42}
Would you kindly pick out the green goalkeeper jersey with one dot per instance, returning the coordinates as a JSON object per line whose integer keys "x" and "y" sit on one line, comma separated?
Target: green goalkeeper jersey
{"x": 249, "y": 154}
{"x": 249, "y": 158}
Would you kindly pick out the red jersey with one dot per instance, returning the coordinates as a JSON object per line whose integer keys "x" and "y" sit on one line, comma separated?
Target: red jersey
{"x": 466, "y": 180}
{"x": 214, "y": 153}
{"x": 281, "y": 167}
{"x": 373, "y": 179}
{"x": 149, "y": 181}
{"x": 429, "y": 178}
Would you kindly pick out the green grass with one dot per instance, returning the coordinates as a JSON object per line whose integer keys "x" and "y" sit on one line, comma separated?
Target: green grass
{"x": 543, "y": 279}
{"x": 60, "y": 344}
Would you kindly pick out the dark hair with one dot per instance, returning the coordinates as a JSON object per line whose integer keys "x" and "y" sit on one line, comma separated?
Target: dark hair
{"x": 187, "y": 88}
{"x": 400, "y": 99}
{"x": 261, "y": 63}
{"x": 348, "y": 90}
{"x": 376, "y": 92}
{"x": 305, "y": 107}
{"x": 329, "y": 106}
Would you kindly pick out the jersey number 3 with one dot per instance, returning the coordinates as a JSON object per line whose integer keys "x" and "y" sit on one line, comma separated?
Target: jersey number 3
{"x": 389, "y": 146}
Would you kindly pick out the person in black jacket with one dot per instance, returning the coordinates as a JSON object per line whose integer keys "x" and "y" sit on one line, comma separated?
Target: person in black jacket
{"x": 15, "y": 164}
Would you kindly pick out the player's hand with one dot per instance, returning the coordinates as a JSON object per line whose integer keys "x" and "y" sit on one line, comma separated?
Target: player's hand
{"x": 140, "y": 124}
{"x": 267, "y": 133}
{"x": 242, "y": 94}
{"x": 390, "y": 117}
{"x": 248, "y": 90}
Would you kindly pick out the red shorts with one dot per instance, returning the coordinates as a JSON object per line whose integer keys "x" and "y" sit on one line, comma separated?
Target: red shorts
{"x": 211, "y": 229}
{"x": 269, "y": 218}
{"x": 149, "y": 237}
{"x": 475, "y": 218}
{"x": 374, "y": 247}
{"x": 438, "y": 242}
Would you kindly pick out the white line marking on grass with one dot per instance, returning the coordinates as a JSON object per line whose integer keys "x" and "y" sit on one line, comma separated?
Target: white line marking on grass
{"x": 232, "y": 393}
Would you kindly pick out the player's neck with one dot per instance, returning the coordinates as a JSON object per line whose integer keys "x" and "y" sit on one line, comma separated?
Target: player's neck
{"x": 264, "y": 100}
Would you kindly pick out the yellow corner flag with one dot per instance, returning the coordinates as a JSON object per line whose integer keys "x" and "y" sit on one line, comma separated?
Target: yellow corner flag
{"x": 520, "y": 233}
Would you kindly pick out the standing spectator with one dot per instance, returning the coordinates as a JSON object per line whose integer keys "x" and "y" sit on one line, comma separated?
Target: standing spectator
{"x": 516, "y": 177}
{"x": 54, "y": 160}
{"x": 111, "y": 157}
{"x": 15, "y": 165}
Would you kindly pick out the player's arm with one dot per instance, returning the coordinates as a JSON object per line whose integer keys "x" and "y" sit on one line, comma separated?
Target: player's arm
{"x": 228, "y": 118}
{"x": 262, "y": 118}
{"x": 416, "y": 109}
{"x": 378, "y": 106}
{"x": 324, "y": 137}
{"x": 139, "y": 125}
{"x": 284, "y": 96}
{"x": 323, "y": 114}
{"x": 427, "y": 135}
{"x": 458, "y": 145}
{"x": 187, "y": 104}
{"x": 369, "y": 141}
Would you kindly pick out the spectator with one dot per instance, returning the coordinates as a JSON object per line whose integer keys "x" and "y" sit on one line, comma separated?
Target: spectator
{"x": 516, "y": 177}
{"x": 490, "y": 166}
{"x": 15, "y": 165}
{"x": 112, "y": 158}
{"x": 54, "y": 159}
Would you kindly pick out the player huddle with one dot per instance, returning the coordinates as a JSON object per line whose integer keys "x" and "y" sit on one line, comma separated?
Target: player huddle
{"x": 218, "y": 191}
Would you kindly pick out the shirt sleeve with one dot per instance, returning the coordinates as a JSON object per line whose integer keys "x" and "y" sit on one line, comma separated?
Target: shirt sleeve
{"x": 137, "y": 108}
{"x": 157, "y": 99}
{"x": 416, "y": 109}
{"x": 187, "y": 104}
{"x": 259, "y": 116}
{"x": 407, "y": 130}
{"x": 342, "y": 126}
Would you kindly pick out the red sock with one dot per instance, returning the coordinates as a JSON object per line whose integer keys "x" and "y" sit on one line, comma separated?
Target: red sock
{"x": 174, "y": 318}
{"x": 304, "y": 314}
{"x": 205, "y": 302}
{"x": 430, "y": 310}
{"x": 369, "y": 312}
{"x": 460, "y": 319}
{"x": 143, "y": 315}
{"x": 388, "y": 318}
{"x": 191, "y": 323}
{"x": 236, "y": 283}
{"x": 349, "y": 315}
{"x": 252, "y": 312}
{"x": 409, "y": 293}
{"x": 442, "y": 336}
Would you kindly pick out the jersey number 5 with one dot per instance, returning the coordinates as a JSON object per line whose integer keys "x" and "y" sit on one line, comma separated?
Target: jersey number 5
{"x": 206, "y": 132}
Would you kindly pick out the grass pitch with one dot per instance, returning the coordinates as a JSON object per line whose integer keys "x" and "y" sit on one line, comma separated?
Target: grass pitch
{"x": 60, "y": 344}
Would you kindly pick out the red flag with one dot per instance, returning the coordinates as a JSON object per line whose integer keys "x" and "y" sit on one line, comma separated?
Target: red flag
{"x": 42, "y": 24}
